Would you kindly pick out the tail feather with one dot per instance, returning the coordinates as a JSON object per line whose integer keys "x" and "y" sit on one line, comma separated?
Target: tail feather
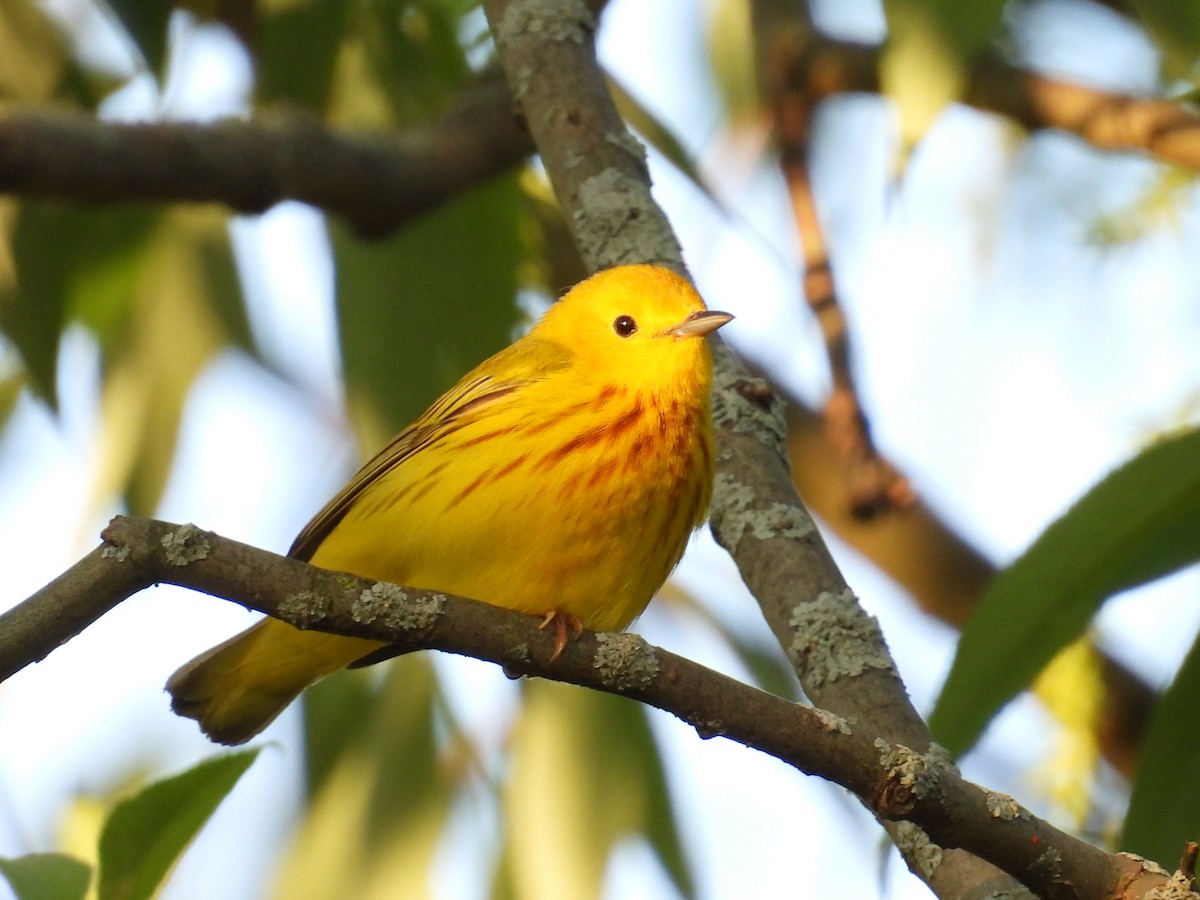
{"x": 237, "y": 688}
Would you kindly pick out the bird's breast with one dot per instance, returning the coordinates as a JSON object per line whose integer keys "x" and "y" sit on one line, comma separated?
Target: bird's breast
{"x": 581, "y": 506}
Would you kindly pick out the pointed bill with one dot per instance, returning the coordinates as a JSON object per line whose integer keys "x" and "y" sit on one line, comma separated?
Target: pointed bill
{"x": 700, "y": 323}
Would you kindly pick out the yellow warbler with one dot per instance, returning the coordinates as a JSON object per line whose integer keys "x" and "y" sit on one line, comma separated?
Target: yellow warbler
{"x": 561, "y": 477}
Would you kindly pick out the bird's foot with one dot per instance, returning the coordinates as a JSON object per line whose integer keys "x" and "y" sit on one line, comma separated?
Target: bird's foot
{"x": 565, "y": 626}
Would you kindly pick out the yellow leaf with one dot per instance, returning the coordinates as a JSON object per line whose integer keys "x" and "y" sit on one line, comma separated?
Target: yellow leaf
{"x": 1072, "y": 689}
{"x": 919, "y": 71}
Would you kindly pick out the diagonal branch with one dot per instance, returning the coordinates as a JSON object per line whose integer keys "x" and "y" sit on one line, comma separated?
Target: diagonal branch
{"x": 799, "y": 67}
{"x": 892, "y": 779}
{"x": 599, "y": 175}
{"x": 1164, "y": 129}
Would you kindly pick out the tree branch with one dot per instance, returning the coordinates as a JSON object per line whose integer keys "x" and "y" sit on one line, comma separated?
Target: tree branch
{"x": 797, "y": 68}
{"x": 873, "y": 743}
{"x": 892, "y": 779}
{"x": 376, "y": 182}
{"x": 1165, "y": 129}
{"x": 380, "y": 182}
{"x": 874, "y": 485}
{"x": 598, "y": 173}
{"x": 944, "y": 574}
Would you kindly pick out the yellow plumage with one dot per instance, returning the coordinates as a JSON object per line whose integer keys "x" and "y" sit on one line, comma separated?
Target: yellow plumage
{"x": 564, "y": 474}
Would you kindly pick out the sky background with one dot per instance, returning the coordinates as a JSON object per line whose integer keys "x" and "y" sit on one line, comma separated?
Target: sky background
{"x": 1007, "y": 360}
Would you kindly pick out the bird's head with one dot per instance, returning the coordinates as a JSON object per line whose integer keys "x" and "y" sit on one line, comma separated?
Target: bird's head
{"x": 639, "y": 325}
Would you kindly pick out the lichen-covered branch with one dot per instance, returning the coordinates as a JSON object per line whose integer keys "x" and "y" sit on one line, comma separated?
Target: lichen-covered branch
{"x": 376, "y": 182}
{"x": 547, "y": 52}
{"x": 799, "y": 67}
{"x": 597, "y": 168}
{"x": 897, "y": 782}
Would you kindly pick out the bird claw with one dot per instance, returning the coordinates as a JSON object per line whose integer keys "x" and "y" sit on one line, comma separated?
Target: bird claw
{"x": 565, "y": 625}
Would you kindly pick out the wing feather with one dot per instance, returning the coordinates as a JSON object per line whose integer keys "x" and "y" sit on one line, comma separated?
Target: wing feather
{"x": 495, "y": 381}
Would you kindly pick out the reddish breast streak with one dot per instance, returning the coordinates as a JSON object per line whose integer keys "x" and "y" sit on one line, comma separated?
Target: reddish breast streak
{"x": 602, "y": 471}
{"x": 607, "y": 432}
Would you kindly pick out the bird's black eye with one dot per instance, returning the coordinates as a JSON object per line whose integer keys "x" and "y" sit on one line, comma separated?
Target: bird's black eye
{"x": 624, "y": 326}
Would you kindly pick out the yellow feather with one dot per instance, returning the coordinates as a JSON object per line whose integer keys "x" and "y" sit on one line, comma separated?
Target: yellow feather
{"x": 563, "y": 474}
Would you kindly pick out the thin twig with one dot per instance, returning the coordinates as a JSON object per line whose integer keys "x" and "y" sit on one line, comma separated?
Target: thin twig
{"x": 874, "y": 485}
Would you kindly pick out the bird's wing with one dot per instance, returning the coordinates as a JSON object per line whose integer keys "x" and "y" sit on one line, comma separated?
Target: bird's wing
{"x": 499, "y": 378}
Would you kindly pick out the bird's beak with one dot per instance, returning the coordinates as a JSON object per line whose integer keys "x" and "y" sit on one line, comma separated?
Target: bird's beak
{"x": 700, "y": 323}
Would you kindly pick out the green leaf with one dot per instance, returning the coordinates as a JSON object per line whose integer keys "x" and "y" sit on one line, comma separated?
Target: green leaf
{"x": 170, "y": 331}
{"x": 70, "y": 263}
{"x": 418, "y": 310}
{"x": 34, "y": 59}
{"x": 146, "y": 833}
{"x": 660, "y": 827}
{"x": 297, "y": 49}
{"x": 10, "y": 392}
{"x": 928, "y": 58}
{"x": 337, "y": 713}
{"x": 413, "y": 52}
{"x": 223, "y": 288}
{"x": 1138, "y": 524}
{"x": 1164, "y": 807}
{"x": 381, "y": 62}
{"x": 403, "y": 729}
{"x": 46, "y": 876}
{"x": 729, "y": 36}
{"x": 1174, "y": 26}
{"x": 146, "y": 22}
{"x": 502, "y": 885}
{"x": 964, "y": 28}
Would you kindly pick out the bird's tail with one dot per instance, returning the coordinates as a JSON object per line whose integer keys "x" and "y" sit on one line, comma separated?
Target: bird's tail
{"x": 238, "y": 687}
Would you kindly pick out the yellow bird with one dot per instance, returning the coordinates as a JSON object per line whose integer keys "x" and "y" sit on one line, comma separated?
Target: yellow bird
{"x": 560, "y": 478}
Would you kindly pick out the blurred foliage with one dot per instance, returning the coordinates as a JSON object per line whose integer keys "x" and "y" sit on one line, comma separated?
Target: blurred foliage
{"x": 379, "y": 796}
{"x": 1072, "y": 689}
{"x": 46, "y": 876}
{"x": 88, "y": 275}
{"x": 146, "y": 23}
{"x": 146, "y": 833}
{"x": 1136, "y": 525}
{"x": 586, "y": 774}
{"x": 140, "y": 840}
{"x": 296, "y": 50}
{"x": 35, "y": 65}
{"x": 1174, "y": 27}
{"x": 1155, "y": 210}
{"x": 730, "y": 39}
{"x": 158, "y": 292}
{"x": 393, "y": 306}
{"x": 928, "y": 56}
